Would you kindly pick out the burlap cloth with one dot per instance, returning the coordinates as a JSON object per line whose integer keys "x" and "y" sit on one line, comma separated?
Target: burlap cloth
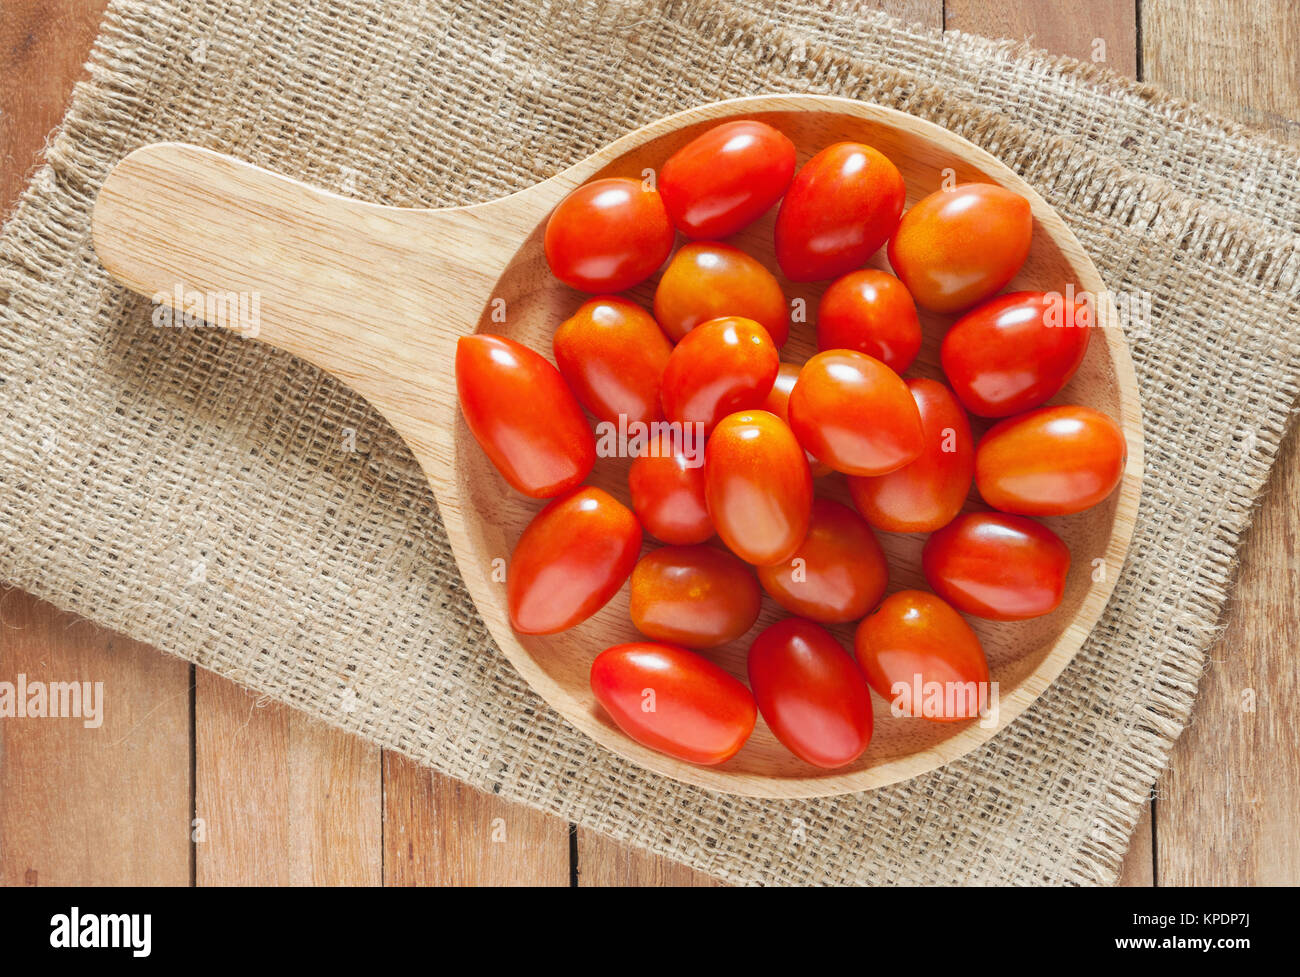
{"x": 188, "y": 487}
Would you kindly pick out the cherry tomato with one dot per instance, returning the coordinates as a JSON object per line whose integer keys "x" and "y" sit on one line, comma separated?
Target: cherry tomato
{"x": 920, "y": 654}
{"x": 840, "y": 208}
{"x": 725, "y": 179}
{"x": 957, "y": 247}
{"x": 695, "y": 596}
{"x": 572, "y": 558}
{"x": 1051, "y": 461}
{"x": 608, "y": 235}
{"x": 1015, "y": 351}
{"x": 667, "y": 486}
{"x": 925, "y": 494}
{"x": 855, "y": 414}
{"x": 613, "y": 353}
{"x": 722, "y": 366}
{"x": 811, "y": 693}
{"x": 870, "y": 311}
{"x": 706, "y": 280}
{"x": 997, "y": 566}
{"x": 778, "y": 403}
{"x": 542, "y": 451}
{"x": 674, "y": 701}
{"x": 837, "y": 574}
{"x": 758, "y": 487}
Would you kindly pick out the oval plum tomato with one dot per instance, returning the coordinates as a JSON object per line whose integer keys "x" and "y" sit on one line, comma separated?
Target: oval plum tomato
{"x": 667, "y": 486}
{"x": 674, "y": 701}
{"x": 837, "y": 574}
{"x": 613, "y": 353}
{"x": 918, "y": 653}
{"x": 1052, "y": 461}
{"x": 608, "y": 235}
{"x": 957, "y": 247}
{"x": 1015, "y": 351}
{"x": 778, "y": 403}
{"x": 840, "y": 208}
{"x": 722, "y": 366}
{"x": 997, "y": 566}
{"x": 811, "y": 693}
{"x": 695, "y": 596}
{"x": 925, "y": 494}
{"x": 870, "y": 311}
{"x": 706, "y": 280}
{"x": 855, "y": 414}
{"x": 758, "y": 487}
{"x": 725, "y": 179}
{"x": 572, "y": 558}
{"x": 542, "y": 451}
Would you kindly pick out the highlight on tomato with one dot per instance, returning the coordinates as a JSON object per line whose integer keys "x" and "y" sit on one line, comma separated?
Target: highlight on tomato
{"x": 870, "y": 311}
{"x": 608, "y": 235}
{"x": 720, "y": 367}
{"x": 695, "y": 596}
{"x": 708, "y": 280}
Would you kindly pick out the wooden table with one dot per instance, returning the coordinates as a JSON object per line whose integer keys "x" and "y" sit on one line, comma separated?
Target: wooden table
{"x": 192, "y": 780}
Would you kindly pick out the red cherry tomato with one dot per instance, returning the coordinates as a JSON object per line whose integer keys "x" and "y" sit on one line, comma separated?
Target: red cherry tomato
{"x": 608, "y": 235}
{"x": 957, "y": 247}
{"x": 840, "y": 208}
{"x": 613, "y": 353}
{"x": 920, "y": 654}
{"x": 674, "y": 701}
{"x": 997, "y": 566}
{"x": 837, "y": 574}
{"x": 925, "y": 494}
{"x": 572, "y": 558}
{"x": 706, "y": 280}
{"x": 870, "y": 311}
{"x": 725, "y": 179}
{"x": 722, "y": 366}
{"x": 1015, "y": 351}
{"x": 811, "y": 693}
{"x": 542, "y": 451}
{"x": 855, "y": 414}
{"x": 1050, "y": 462}
{"x": 667, "y": 486}
{"x": 695, "y": 596}
{"x": 778, "y": 403}
{"x": 758, "y": 487}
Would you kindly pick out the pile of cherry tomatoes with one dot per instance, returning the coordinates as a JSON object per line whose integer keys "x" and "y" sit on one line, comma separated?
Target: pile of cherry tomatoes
{"x": 706, "y": 358}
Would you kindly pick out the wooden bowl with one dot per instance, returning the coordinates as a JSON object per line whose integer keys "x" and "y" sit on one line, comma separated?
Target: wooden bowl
{"x": 379, "y": 295}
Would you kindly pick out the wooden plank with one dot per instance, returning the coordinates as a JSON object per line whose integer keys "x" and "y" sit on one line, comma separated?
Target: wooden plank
{"x": 602, "y": 861}
{"x": 98, "y": 805}
{"x": 439, "y": 831}
{"x": 1229, "y": 807}
{"x": 1103, "y": 31}
{"x": 1139, "y": 868}
{"x": 281, "y": 799}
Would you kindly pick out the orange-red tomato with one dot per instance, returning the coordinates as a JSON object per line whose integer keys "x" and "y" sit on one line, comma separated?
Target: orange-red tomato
{"x": 725, "y": 179}
{"x": 613, "y": 353}
{"x": 1051, "y": 461}
{"x": 870, "y": 311}
{"x": 920, "y": 654}
{"x": 608, "y": 235}
{"x": 674, "y": 701}
{"x": 841, "y": 207}
{"x": 572, "y": 558}
{"x": 957, "y": 247}
{"x": 778, "y": 403}
{"x": 722, "y": 366}
{"x": 1015, "y": 351}
{"x": 837, "y": 574}
{"x": 997, "y": 566}
{"x": 667, "y": 486}
{"x": 925, "y": 494}
{"x": 811, "y": 693}
{"x": 758, "y": 487}
{"x": 855, "y": 414}
{"x": 542, "y": 451}
{"x": 706, "y": 280}
{"x": 696, "y": 596}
